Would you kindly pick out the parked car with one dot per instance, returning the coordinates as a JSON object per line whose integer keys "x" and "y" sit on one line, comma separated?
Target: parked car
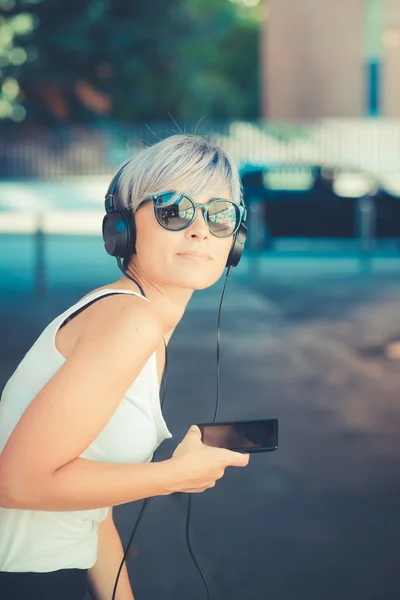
{"x": 310, "y": 200}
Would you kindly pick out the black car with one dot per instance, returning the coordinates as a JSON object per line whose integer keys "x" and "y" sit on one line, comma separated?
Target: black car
{"x": 308, "y": 200}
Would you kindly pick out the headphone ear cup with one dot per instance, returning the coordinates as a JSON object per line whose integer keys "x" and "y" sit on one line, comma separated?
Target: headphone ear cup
{"x": 237, "y": 246}
{"x": 119, "y": 234}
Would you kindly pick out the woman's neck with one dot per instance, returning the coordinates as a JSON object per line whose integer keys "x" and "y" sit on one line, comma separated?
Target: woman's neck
{"x": 169, "y": 303}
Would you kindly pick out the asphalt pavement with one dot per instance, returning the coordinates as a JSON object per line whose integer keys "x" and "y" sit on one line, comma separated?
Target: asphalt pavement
{"x": 303, "y": 339}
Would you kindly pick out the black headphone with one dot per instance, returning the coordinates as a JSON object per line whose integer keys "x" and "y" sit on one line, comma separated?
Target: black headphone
{"x": 119, "y": 230}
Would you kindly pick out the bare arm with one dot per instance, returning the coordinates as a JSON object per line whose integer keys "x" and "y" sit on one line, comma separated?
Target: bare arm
{"x": 40, "y": 466}
{"x": 102, "y": 576}
{"x": 85, "y": 484}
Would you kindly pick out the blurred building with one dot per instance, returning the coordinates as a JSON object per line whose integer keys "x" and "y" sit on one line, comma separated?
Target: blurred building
{"x": 331, "y": 58}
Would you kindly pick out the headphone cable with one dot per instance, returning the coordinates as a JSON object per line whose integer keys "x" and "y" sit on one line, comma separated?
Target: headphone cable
{"x": 213, "y": 421}
{"x": 146, "y": 500}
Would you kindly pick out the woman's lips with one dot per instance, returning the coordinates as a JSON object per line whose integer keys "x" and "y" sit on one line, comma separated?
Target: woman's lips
{"x": 195, "y": 256}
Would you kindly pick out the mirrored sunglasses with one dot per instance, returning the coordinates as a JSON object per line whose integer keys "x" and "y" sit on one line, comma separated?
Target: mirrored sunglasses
{"x": 176, "y": 212}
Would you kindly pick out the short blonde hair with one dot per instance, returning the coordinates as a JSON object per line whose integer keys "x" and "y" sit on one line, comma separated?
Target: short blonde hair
{"x": 188, "y": 164}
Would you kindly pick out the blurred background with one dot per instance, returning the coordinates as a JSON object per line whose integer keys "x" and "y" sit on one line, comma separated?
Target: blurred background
{"x": 306, "y": 98}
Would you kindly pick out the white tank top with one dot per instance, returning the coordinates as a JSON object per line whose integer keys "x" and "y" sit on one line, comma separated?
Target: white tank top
{"x": 43, "y": 541}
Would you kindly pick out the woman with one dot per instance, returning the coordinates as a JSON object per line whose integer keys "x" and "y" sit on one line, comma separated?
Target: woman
{"x": 80, "y": 417}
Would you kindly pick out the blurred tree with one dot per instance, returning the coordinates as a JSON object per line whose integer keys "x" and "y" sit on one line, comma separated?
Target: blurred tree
{"x": 86, "y": 60}
{"x": 220, "y": 60}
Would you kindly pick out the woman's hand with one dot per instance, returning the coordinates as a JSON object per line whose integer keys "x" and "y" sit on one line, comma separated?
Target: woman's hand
{"x": 199, "y": 465}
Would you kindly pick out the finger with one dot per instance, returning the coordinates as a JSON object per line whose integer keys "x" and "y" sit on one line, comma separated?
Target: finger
{"x": 201, "y": 488}
{"x": 194, "y": 428}
{"x": 194, "y": 431}
{"x": 238, "y": 459}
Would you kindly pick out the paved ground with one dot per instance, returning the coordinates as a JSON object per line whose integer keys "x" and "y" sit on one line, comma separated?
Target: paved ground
{"x": 302, "y": 339}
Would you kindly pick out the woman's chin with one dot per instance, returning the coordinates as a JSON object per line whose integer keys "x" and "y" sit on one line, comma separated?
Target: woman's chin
{"x": 199, "y": 282}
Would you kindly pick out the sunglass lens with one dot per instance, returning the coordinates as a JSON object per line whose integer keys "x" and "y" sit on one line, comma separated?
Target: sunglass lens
{"x": 174, "y": 211}
{"x": 222, "y": 218}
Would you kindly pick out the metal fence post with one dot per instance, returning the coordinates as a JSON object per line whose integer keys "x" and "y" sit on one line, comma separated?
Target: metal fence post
{"x": 365, "y": 220}
{"x": 257, "y": 224}
{"x": 40, "y": 264}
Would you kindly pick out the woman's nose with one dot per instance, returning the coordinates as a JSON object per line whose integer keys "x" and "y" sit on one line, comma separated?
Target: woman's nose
{"x": 198, "y": 227}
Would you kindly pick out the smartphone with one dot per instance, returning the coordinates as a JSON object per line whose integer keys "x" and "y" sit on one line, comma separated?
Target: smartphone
{"x": 241, "y": 436}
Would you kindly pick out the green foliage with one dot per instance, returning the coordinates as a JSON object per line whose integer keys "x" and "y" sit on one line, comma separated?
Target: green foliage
{"x": 91, "y": 60}
{"x": 220, "y": 62}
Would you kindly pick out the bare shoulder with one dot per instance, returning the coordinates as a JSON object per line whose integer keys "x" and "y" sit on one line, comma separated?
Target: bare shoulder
{"x": 121, "y": 313}
{"x": 123, "y": 317}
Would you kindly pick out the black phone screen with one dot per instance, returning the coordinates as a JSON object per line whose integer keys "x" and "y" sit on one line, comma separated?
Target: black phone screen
{"x": 250, "y": 436}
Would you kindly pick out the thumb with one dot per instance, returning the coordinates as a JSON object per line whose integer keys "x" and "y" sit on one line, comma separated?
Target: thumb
{"x": 194, "y": 429}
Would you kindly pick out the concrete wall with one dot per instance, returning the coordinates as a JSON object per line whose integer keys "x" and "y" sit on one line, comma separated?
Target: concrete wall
{"x": 313, "y": 59}
{"x": 391, "y": 61}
